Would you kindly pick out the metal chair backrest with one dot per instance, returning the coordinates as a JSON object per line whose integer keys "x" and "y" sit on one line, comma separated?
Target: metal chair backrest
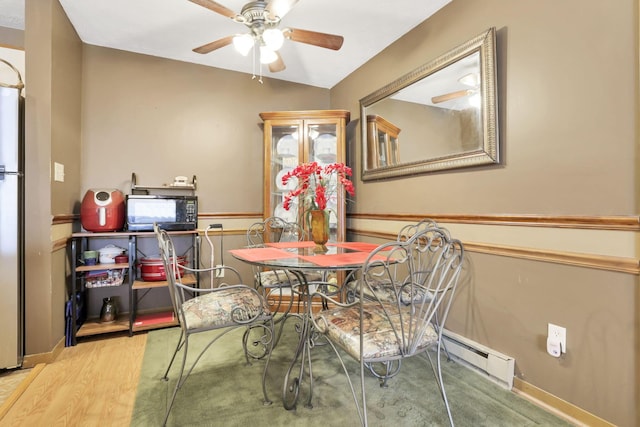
{"x": 423, "y": 272}
{"x": 212, "y": 251}
{"x": 170, "y": 264}
{"x": 409, "y": 230}
{"x": 272, "y": 230}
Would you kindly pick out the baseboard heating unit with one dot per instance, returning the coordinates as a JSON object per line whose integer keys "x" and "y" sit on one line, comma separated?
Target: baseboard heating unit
{"x": 496, "y": 366}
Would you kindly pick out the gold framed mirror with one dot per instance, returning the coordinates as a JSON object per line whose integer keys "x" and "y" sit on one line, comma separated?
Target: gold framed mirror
{"x": 442, "y": 115}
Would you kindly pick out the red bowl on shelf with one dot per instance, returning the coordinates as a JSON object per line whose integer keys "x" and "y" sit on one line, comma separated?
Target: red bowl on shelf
{"x": 152, "y": 268}
{"x": 121, "y": 259}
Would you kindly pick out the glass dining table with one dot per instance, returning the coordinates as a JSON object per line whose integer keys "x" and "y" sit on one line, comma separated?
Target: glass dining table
{"x": 298, "y": 258}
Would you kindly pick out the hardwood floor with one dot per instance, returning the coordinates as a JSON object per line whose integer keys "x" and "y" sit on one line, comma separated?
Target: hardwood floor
{"x": 91, "y": 384}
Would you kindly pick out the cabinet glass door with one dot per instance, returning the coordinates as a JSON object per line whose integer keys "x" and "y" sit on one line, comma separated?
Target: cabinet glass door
{"x": 285, "y": 156}
{"x": 295, "y": 137}
{"x": 321, "y": 138}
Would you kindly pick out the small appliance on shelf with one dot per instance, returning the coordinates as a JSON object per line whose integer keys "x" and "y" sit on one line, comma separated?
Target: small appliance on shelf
{"x": 169, "y": 212}
{"x": 102, "y": 210}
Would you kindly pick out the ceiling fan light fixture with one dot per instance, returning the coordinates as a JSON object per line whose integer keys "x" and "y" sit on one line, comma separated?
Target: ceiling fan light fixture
{"x": 267, "y": 56}
{"x": 475, "y": 101}
{"x": 471, "y": 79}
{"x": 273, "y": 38}
{"x": 264, "y": 39}
{"x": 279, "y": 9}
{"x": 313, "y": 134}
{"x": 243, "y": 43}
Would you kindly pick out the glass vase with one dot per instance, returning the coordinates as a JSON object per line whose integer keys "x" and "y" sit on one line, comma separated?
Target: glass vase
{"x": 319, "y": 224}
{"x": 108, "y": 312}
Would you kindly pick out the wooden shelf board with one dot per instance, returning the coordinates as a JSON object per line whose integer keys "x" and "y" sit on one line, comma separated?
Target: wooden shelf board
{"x": 154, "y": 326}
{"x": 102, "y": 267}
{"x": 94, "y": 327}
{"x": 122, "y": 234}
{"x": 187, "y": 279}
{"x": 139, "y": 284}
{"x": 161, "y": 319}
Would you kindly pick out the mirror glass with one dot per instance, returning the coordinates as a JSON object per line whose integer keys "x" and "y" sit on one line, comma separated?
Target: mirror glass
{"x": 440, "y": 116}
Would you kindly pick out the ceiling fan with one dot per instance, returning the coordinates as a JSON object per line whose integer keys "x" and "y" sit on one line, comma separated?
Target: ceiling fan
{"x": 262, "y": 19}
{"x": 471, "y": 80}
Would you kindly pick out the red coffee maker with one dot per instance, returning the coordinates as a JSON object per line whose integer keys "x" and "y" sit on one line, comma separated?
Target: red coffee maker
{"x": 103, "y": 210}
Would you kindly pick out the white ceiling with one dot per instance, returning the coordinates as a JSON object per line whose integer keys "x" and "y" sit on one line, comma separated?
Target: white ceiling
{"x": 172, "y": 28}
{"x": 12, "y": 14}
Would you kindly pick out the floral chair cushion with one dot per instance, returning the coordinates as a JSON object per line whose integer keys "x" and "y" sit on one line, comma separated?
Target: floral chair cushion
{"x": 385, "y": 291}
{"x": 382, "y": 289}
{"x": 279, "y": 278}
{"x": 224, "y": 307}
{"x": 342, "y": 326}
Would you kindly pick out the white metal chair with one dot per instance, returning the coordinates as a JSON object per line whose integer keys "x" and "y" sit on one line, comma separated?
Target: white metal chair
{"x": 200, "y": 309}
{"x": 422, "y": 272}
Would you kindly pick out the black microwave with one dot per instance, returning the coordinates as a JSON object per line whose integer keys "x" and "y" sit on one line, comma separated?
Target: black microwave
{"x": 169, "y": 212}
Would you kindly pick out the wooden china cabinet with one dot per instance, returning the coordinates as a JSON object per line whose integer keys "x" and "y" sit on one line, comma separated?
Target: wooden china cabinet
{"x": 295, "y": 137}
{"x": 383, "y": 144}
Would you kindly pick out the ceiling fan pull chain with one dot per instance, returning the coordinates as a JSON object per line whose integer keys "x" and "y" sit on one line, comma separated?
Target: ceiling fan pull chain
{"x": 253, "y": 60}
{"x": 256, "y": 60}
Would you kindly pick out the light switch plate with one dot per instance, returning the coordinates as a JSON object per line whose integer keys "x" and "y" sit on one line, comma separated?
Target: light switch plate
{"x": 58, "y": 172}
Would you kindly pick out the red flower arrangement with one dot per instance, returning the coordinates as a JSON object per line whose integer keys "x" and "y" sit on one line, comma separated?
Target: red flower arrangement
{"x": 315, "y": 185}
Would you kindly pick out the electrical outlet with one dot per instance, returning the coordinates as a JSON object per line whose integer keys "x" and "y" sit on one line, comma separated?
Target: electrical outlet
{"x": 558, "y": 334}
{"x": 219, "y": 273}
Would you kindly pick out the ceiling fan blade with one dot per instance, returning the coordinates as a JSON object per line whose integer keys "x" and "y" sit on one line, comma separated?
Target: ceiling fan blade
{"x": 279, "y": 8}
{"x": 452, "y": 95}
{"x": 216, "y": 7}
{"x": 277, "y": 65}
{"x": 210, "y": 47}
{"x": 328, "y": 41}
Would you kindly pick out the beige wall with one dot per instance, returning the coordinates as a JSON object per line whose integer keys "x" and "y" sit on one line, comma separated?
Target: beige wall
{"x": 52, "y": 134}
{"x": 39, "y": 316}
{"x": 567, "y": 80}
{"x": 12, "y": 38}
{"x": 566, "y": 151}
{"x": 66, "y": 75}
{"x": 549, "y": 123}
{"x": 161, "y": 118}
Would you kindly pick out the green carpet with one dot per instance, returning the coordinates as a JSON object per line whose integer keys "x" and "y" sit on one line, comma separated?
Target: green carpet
{"x": 224, "y": 391}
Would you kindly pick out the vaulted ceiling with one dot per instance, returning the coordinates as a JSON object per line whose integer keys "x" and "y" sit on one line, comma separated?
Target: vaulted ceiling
{"x": 172, "y": 28}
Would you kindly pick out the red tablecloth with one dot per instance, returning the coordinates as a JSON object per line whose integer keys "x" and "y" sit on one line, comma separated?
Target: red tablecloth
{"x": 356, "y": 246}
{"x": 305, "y": 244}
{"x": 261, "y": 254}
{"x": 340, "y": 259}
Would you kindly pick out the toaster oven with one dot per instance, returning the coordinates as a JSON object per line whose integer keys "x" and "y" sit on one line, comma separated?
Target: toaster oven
{"x": 169, "y": 212}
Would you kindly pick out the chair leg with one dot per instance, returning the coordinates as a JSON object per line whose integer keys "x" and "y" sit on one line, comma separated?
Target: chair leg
{"x": 180, "y": 380}
{"x": 391, "y": 369}
{"x": 178, "y": 347}
{"x": 363, "y": 415}
{"x": 441, "y": 383}
{"x": 258, "y": 347}
{"x": 282, "y": 317}
{"x": 438, "y": 328}
{"x": 437, "y": 372}
{"x": 267, "y": 401}
{"x": 362, "y": 410}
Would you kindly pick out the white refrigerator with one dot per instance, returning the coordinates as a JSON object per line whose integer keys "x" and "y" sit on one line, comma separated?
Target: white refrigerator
{"x": 11, "y": 224}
